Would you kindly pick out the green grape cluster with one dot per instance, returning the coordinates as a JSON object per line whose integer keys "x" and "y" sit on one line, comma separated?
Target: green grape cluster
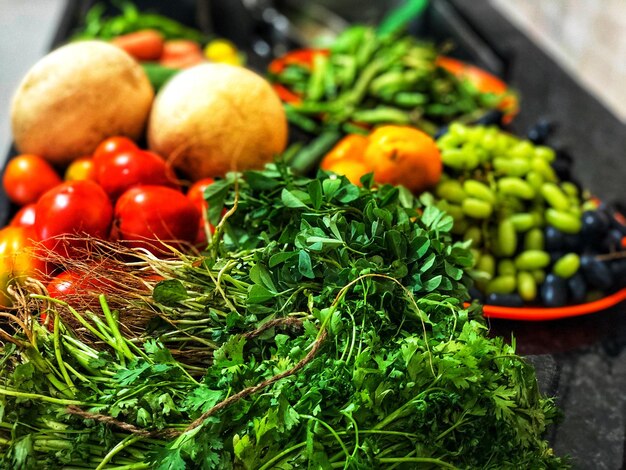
{"x": 502, "y": 192}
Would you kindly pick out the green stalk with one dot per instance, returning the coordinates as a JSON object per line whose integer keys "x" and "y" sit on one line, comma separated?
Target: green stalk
{"x": 277, "y": 457}
{"x": 59, "y": 355}
{"x": 438, "y": 462}
{"x": 36, "y": 396}
{"x": 129, "y": 440}
{"x": 331, "y": 430}
{"x": 112, "y": 322}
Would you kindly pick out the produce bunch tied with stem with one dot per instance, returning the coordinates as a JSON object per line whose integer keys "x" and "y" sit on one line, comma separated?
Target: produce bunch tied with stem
{"x": 331, "y": 322}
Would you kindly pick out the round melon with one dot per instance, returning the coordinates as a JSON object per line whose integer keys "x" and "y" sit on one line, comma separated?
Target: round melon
{"x": 77, "y": 96}
{"x": 214, "y": 118}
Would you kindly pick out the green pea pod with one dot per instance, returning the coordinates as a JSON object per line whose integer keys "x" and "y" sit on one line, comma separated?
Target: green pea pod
{"x": 381, "y": 115}
{"x": 567, "y": 266}
{"x": 479, "y": 191}
{"x": 501, "y": 285}
{"x": 532, "y": 259}
{"x": 349, "y": 40}
{"x": 409, "y": 99}
{"x": 315, "y": 87}
{"x": 526, "y": 286}
{"x": 514, "y": 186}
{"x": 554, "y": 196}
{"x": 507, "y": 238}
{"x": 564, "y": 221}
{"x": 476, "y": 208}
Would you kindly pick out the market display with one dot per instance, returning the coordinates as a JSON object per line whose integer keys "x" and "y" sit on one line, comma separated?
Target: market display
{"x": 181, "y": 289}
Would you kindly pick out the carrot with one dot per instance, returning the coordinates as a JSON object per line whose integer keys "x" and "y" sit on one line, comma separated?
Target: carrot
{"x": 183, "y": 61}
{"x": 177, "y": 48}
{"x": 146, "y": 44}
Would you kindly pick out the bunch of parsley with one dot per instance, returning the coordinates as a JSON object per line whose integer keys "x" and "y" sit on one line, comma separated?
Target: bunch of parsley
{"x": 346, "y": 302}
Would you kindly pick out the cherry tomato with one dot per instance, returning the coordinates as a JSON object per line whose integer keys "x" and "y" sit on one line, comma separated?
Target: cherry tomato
{"x": 118, "y": 172}
{"x": 147, "y": 215}
{"x": 75, "y": 208}
{"x": 25, "y": 217}
{"x": 80, "y": 169}
{"x": 70, "y": 285}
{"x": 113, "y": 146}
{"x": 18, "y": 259}
{"x": 27, "y": 177}
{"x": 196, "y": 195}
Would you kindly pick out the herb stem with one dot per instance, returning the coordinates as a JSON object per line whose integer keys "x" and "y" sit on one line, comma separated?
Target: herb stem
{"x": 270, "y": 464}
{"x": 129, "y": 440}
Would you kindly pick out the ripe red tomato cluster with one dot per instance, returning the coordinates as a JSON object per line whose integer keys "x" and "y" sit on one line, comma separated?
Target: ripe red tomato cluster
{"x": 120, "y": 193}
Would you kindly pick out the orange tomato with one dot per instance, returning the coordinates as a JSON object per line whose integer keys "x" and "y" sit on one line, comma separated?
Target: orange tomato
{"x": 80, "y": 169}
{"x": 403, "y": 155}
{"x": 27, "y": 177}
{"x": 18, "y": 259}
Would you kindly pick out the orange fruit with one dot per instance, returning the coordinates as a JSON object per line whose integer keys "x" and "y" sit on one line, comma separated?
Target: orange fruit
{"x": 350, "y": 168}
{"x": 350, "y": 147}
{"x": 403, "y": 155}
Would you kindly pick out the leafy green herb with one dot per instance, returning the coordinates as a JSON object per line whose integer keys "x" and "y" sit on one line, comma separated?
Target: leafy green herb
{"x": 334, "y": 322}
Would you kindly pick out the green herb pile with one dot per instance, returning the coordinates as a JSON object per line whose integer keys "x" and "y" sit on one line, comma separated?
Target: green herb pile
{"x": 98, "y": 25}
{"x": 331, "y": 324}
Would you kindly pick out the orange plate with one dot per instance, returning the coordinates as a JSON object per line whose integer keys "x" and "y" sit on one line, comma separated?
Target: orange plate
{"x": 553, "y": 313}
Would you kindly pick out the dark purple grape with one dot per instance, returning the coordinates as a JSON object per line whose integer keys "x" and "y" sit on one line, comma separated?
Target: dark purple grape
{"x": 553, "y": 291}
{"x": 555, "y": 256}
{"x": 613, "y": 240}
{"x": 540, "y": 131}
{"x": 505, "y": 300}
{"x": 577, "y": 288}
{"x": 554, "y": 239}
{"x": 595, "y": 225}
{"x": 572, "y": 242}
{"x": 596, "y": 272}
{"x": 618, "y": 270}
{"x": 476, "y": 294}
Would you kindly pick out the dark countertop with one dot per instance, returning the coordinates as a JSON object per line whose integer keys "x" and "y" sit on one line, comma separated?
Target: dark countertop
{"x": 582, "y": 360}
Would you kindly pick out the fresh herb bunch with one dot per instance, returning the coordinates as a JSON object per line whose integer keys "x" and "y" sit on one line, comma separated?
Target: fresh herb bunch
{"x": 99, "y": 26}
{"x": 338, "y": 340}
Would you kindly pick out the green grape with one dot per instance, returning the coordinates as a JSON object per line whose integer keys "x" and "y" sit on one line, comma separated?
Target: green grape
{"x": 564, "y": 221}
{"x": 479, "y": 191}
{"x": 451, "y": 191}
{"x": 507, "y": 238}
{"x": 533, "y": 240}
{"x": 523, "y": 221}
{"x": 554, "y": 196}
{"x": 532, "y": 259}
{"x": 506, "y": 267}
{"x": 567, "y": 266}
{"x": 501, "y": 285}
{"x": 526, "y": 286}
{"x": 477, "y": 208}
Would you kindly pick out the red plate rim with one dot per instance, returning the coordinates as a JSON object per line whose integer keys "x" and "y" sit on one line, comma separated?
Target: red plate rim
{"x": 553, "y": 313}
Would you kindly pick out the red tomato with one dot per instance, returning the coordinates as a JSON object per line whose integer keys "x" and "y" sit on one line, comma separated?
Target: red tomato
{"x": 27, "y": 177}
{"x": 118, "y": 172}
{"x": 73, "y": 208}
{"x": 81, "y": 169}
{"x": 18, "y": 259}
{"x": 25, "y": 217}
{"x": 196, "y": 195}
{"x": 113, "y": 146}
{"x": 145, "y": 215}
{"x": 71, "y": 284}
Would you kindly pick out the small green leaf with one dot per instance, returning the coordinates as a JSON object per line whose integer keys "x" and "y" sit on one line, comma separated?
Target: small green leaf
{"x": 279, "y": 258}
{"x": 315, "y": 191}
{"x": 304, "y": 265}
{"x": 289, "y": 199}
{"x": 169, "y": 292}
{"x": 258, "y": 294}
{"x": 432, "y": 283}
